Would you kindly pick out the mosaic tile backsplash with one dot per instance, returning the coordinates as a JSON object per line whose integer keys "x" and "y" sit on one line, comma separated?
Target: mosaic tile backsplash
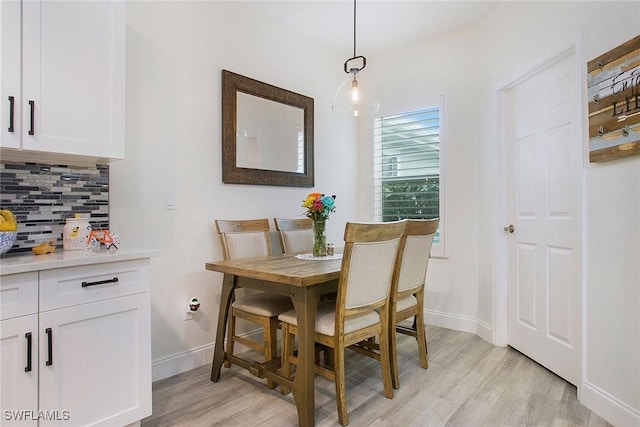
{"x": 42, "y": 197}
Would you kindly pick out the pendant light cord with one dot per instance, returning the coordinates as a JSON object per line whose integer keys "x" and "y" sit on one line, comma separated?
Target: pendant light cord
{"x": 348, "y": 69}
{"x": 354, "y": 28}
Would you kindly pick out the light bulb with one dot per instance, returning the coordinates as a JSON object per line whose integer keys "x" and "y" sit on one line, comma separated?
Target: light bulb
{"x": 355, "y": 91}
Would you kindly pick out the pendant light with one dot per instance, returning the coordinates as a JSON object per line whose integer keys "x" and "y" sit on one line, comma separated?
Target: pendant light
{"x": 350, "y": 98}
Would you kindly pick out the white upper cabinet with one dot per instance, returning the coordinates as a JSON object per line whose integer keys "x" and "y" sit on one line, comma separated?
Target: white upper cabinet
{"x": 10, "y": 78}
{"x": 72, "y": 81}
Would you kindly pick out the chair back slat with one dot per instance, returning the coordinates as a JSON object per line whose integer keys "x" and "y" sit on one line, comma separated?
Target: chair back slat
{"x": 415, "y": 260}
{"x": 370, "y": 272}
{"x": 368, "y": 264}
{"x": 296, "y": 235}
{"x": 415, "y": 251}
{"x": 246, "y": 245}
{"x": 244, "y": 238}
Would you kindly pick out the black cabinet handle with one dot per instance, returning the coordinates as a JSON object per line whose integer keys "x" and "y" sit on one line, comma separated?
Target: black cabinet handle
{"x": 100, "y": 282}
{"x": 49, "y": 361}
{"x": 12, "y": 101}
{"x": 28, "y": 337}
{"x": 32, "y": 109}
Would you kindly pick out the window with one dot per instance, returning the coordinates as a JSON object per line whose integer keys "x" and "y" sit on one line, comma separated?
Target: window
{"x": 407, "y": 167}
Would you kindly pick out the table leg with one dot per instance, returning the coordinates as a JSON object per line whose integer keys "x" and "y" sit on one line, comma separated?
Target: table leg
{"x": 228, "y": 285}
{"x": 305, "y": 301}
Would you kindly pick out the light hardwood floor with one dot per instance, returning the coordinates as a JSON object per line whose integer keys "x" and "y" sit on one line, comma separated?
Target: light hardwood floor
{"x": 469, "y": 383}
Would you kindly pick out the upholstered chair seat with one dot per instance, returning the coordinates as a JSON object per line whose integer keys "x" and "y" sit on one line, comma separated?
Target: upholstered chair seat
{"x": 263, "y": 304}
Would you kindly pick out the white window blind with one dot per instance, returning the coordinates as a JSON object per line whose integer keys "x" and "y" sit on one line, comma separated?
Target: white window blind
{"x": 407, "y": 166}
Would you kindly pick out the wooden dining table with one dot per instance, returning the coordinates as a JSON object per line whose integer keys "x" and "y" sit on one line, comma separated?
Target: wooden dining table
{"x": 304, "y": 280}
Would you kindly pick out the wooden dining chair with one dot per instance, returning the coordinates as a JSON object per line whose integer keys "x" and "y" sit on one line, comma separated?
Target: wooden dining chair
{"x": 362, "y": 307}
{"x": 407, "y": 293}
{"x": 296, "y": 235}
{"x": 244, "y": 239}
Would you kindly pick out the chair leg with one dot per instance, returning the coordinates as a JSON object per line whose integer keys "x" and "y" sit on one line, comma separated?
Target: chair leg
{"x": 422, "y": 340}
{"x": 287, "y": 350}
{"x": 385, "y": 362}
{"x": 231, "y": 334}
{"x": 270, "y": 339}
{"x": 341, "y": 396}
{"x": 395, "y": 375}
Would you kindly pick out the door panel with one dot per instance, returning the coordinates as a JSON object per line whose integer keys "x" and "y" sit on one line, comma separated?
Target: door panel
{"x": 526, "y": 287}
{"x": 543, "y": 155}
{"x": 560, "y": 301}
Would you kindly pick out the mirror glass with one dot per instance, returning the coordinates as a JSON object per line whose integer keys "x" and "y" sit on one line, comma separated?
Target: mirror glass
{"x": 267, "y": 134}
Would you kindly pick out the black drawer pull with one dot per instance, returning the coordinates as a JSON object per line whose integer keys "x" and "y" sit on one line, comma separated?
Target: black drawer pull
{"x": 100, "y": 282}
{"x": 12, "y": 101}
{"x": 32, "y": 109}
{"x": 28, "y": 337}
{"x": 49, "y": 333}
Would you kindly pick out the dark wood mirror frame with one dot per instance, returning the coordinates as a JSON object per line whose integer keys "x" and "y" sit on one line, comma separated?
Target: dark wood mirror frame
{"x": 232, "y": 174}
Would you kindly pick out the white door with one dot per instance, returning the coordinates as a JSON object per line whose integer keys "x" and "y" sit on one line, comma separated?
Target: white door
{"x": 543, "y": 158}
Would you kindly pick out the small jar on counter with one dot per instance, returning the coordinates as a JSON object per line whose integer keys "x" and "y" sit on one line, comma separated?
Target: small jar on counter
{"x": 75, "y": 233}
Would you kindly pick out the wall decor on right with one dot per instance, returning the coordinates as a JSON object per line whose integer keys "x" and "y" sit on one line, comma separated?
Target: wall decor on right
{"x": 613, "y": 80}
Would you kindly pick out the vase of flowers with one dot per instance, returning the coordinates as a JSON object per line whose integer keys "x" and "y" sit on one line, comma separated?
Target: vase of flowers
{"x": 319, "y": 206}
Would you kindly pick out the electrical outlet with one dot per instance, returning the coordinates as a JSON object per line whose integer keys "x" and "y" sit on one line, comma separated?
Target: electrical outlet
{"x": 188, "y": 315}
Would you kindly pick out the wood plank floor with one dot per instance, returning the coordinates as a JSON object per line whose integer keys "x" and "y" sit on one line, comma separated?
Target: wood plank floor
{"x": 469, "y": 383}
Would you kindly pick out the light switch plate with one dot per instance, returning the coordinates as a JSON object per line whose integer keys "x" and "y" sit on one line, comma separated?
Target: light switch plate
{"x": 169, "y": 200}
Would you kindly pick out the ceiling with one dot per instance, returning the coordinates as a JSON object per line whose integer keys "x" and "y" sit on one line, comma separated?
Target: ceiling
{"x": 381, "y": 25}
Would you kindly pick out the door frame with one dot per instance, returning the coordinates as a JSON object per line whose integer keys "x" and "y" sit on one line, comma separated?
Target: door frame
{"x": 500, "y": 205}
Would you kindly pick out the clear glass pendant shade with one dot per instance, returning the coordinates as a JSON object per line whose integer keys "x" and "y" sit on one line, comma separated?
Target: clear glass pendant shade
{"x": 352, "y": 98}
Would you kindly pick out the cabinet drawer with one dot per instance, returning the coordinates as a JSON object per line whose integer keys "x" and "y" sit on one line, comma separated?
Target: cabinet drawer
{"x": 65, "y": 287}
{"x": 18, "y": 295}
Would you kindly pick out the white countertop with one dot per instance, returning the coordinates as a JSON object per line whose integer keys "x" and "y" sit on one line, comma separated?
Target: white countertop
{"x": 60, "y": 259}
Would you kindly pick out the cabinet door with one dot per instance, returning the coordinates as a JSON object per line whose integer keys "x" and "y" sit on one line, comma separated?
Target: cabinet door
{"x": 10, "y": 57}
{"x": 19, "y": 370}
{"x": 73, "y": 77}
{"x": 99, "y": 370}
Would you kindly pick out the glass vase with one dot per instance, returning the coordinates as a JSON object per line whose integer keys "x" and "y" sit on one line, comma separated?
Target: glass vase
{"x": 319, "y": 238}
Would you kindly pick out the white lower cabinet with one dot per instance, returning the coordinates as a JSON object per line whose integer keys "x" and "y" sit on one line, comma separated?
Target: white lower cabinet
{"x": 90, "y": 348}
{"x": 19, "y": 370}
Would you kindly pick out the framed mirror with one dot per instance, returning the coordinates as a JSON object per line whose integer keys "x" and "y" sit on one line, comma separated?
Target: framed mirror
{"x": 267, "y": 134}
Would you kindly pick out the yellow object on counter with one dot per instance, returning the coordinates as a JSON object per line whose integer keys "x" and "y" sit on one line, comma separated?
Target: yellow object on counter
{"x": 44, "y": 248}
{"x": 8, "y": 221}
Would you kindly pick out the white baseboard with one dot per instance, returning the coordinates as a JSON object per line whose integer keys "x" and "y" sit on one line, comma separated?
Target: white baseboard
{"x": 607, "y": 406}
{"x": 485, "y": 331}
{"x": 181, "y": 362}
{"x": 192, "y": 359}
{"x": 451, "y": 321}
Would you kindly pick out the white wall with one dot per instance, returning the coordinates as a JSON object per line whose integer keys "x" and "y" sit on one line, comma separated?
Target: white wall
{"x": 175, "y": 54}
